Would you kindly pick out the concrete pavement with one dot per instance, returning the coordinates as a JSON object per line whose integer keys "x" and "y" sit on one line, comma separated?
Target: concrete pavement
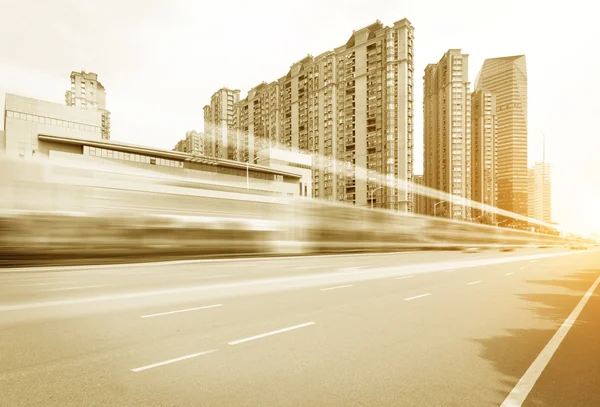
{"x": 409, "y": 329}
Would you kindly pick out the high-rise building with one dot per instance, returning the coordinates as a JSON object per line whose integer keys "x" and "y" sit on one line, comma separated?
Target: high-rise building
{"x": 193, "y": 143}
{"x": 88, "y": 93}
{"x": 419, "y": 199}
{"x": 540, "y": 192}
{"x": 220, "y": 141}
{"x": 507, "y": 79}
{"x": 351, "y": 108}
{"x": 484, "y": 188}
{"x": 447, "y": 133}
{"x": 257, "y": 120}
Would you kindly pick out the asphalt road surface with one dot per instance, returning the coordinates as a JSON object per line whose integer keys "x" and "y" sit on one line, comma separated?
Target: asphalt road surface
{"x": 406, "y": 329}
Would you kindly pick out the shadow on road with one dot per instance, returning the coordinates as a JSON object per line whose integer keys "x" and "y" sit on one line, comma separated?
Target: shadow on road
{"x": 513, "y": 353}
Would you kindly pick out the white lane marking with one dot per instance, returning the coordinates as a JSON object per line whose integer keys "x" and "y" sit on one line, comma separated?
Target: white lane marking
{"x": 404, "y": 278}
{"x": 474, "y": 282}
{"x": 284, "y": 283}
{"x": 307, "y": 267}
{"x": 166, "y": 362}
{"x": 520, "y": 392}
{"x": 251, "y": 338}
{"x": 82, "y": 287}
{"x": 417, "y": 296}
{"x": 336, "y": 287}
{"x": 450, "y": 270}
{"x": 180, "y": 311}
{"x": 509, "y": 274}
{"x": 211, "y": 277}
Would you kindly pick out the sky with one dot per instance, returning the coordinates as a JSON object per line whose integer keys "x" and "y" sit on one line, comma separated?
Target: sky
{"x": 161, "y": 60}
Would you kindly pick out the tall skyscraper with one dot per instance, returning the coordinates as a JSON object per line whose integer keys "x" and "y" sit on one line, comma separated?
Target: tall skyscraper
{"x": 483, "y": 151}
{"x": 507, "y": 79}
{"x": 193, "y": 143}
{"x": 351, "y": 108}
{"x": 88, "y": 93}
{"x": 447, "y": 133}
{"x": 540, "y": 192}
{"x": 220, "y": 136}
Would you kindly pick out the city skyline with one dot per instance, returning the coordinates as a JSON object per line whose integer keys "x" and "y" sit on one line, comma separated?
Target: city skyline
{"x": 130, "y": 117}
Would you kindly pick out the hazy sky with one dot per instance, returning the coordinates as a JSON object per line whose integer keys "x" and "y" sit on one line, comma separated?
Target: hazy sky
{"x": 160, "y": 61}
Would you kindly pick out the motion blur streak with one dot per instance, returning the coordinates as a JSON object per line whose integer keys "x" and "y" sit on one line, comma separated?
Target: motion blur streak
{"x": 53, "y": 213}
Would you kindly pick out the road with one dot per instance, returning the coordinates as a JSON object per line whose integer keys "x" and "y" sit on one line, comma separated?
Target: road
{"x": 404, "y": 329}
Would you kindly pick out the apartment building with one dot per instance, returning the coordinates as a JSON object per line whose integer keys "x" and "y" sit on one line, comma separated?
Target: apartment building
{"x": 88, "y": 93}
{"x": 507, "y": 79}
{"x": 256, "y": 119}
{"x": 447, "y": 134}
{"x": 220, "y": 135}
{"x": 484, "y": 156}
{"x": 193, "y": 143}
{"x": 351, "y": 109}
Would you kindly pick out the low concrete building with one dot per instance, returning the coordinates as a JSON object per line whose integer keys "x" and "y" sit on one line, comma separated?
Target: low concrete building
{"x": 288, "y": 161}
{"x": 25, "y": 118}
{"x": 202, "y": 172}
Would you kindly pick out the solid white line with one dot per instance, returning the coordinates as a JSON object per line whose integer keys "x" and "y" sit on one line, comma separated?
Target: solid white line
{"x": 251, "y": 338}
{"x": 474, "y": 282}
{"x": 48, "y": 283}
{"x": 197, "y": 261}
{"x": 518, "y": 395}
{"x": 404, "y": 278}
{"x": 509, "y": 274}
{"x": 83, "y": 287}
{"x": 270, "y": 283}
{"x": 451, "y": 270}
{"x": 166, "y": 362}
{"x": 417, "y": 296}
{"x": 181, "y": 310}
{"x": 336, "y": 287}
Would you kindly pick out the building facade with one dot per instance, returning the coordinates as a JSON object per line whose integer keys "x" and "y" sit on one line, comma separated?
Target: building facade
{"x": 351, "y": 109}
{"x": 220, "y": 135}
{"x": 88, "y": 93}
{"x": 193, "y": 143}
{"x": 26, "y": 118}
{"x": 540, "y": 192}
{"x": 290, "y": 162}
{"x": 171, "y": 168}
{"x": 447, "y": 134}
{"x": 419, "y": 199}
{"x": 506, "y": 78}
{"x": 484, "y": 157}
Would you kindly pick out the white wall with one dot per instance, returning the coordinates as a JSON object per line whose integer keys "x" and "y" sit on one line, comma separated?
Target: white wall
{"x": 26, "y": 118}
{"x": 281, "y": 160}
